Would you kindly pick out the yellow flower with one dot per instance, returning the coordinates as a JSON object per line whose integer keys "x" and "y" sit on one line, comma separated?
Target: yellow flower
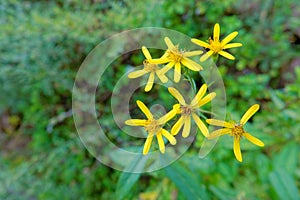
{"x": 216, "y": 46}
{"x": 177, "y": 57}
{"x": 148, "y": 68}
{"x": 154, "y": 127}
{"x": 236, "y": 130}
{"x": 189, "y": 111}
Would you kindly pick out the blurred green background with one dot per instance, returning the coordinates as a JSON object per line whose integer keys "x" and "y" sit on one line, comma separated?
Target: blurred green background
{"x": 43, "y": 43}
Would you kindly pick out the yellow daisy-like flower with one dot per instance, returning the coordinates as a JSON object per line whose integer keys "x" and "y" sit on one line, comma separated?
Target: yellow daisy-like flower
{"x": 189, "y": 111}
{"x": 236, "y": 130}
{"x": 148, "y": 68}
{"x": 216, "y": 46}
{"x": 177, "y": 57}
{"x": 154, "y": 127}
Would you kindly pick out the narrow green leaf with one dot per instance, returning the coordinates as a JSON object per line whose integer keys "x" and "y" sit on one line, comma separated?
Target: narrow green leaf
{"x": 186, "y": 182}
{"x": 284, "y": 185}
{"x": 287, "y": 158}
{"x": 222, "y": 194}
{"x": 127, "y": 180}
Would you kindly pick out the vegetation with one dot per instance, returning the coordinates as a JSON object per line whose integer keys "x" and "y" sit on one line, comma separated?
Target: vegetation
{"x": 43, "y": 44}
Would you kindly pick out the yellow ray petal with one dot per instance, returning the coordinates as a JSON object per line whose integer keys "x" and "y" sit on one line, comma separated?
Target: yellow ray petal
{"x": 167, "y": 117}
{"x": 177, "y": 72}
{"x": 169, "y": 43}
{"x": 166, "y": 68}
{"x": 254, "y": 140}
{"x": 177, "y": 126}
{"x": 147, "y": 144}
{"x": 226, "y": 55}
{"x": 163, "y": 78}
{"x": 144, "y": 109}
{"x": 249, "y": 113}
{"x": 186, "y": 127}
{"x": 216, "y": 32}
{"x": 200, "y": 43}
{"x": 168, "y": 135}
{"x": 136, "y": 122}
{"x": 206, "y": 55}
{"x": 220, "y": 123}
{"x": 146, "y": 53}
{"x": 237, "y": 149}
{"x": 192, "y": 53}
{"x": 232, "y": 45}
{"x": 150, "y": 82}
{"x": 165, "y": 55}
{"x": 191, "y": 64}
{"x": 200, "y": 125}
{"x": 161, "y": 142}
{"x": 137, "y": 73}
{"x": 218, "y": 133}
{"x": 159, "y": 60}
{"x": 230, "y": 37}
{"x": 199, "y": 95}
{"x": 207, "y": 99}
{"x": 177, "y": 95}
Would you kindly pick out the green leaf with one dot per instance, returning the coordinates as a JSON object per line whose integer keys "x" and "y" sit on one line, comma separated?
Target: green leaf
{"x": 284, "y": 185}
{"x": 127, "y": 179}
{"x": 222, "y": 193}
{"x": 287, "y": 158}
{"x": 186, "y": 182}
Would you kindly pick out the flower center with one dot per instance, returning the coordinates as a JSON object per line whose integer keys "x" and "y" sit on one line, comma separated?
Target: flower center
{"x": 150, "y": 67}
{"x": 175, "y": 54}
{"x": 237, "y": 130}
{"x": 185, "y": 110}
{"x": 215, "y": 45}
{"x": 153, "y": 126}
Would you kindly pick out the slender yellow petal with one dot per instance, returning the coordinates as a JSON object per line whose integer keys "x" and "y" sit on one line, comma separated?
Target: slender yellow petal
{"x": 249, "y": 113}
{"x": 177, "y": 126}
{"x": 200, "y": 125}
{"x": 232, "y": 45}
{"x": 161, "y": 142}
{"x": 168, "y": 135}
{"x": 144, "y": 109}
{"x": 230, "y": 37}
{"x": 191, "y": 64}
{"x": 207, "y": 99}
{"x": 200, "y": 43}
{"x": 254, "y": 140}
{"x": 199, "y": 95}
{"x": 163, "y": 78}
{"x": 177, "y": 95}
{"x": 137, "y": 73}
{"x": 186, "y": 127}
{"x": 216, "y": 32}
{"x": 192, "y": 53}
{"x": 147, "y": 144}
{"x": 165, "y": 55}
{"x": 220, "y": 123}
{"x": 226, "y": 55}
{"x": 177, "y": 72}
{"x": 159, "y": 61}
{"x": 146, "y": 53}
{"x": 206, "y": 55}
{"x": 166, "y": 68}
{"x": 167, "y": 117}
{"x": 136, "y": 122}
{"x": 237, "y": 149}
{"x": 169, "y": 43}
{"x": 218, "y": 133}
{"x": 150, "y": 82}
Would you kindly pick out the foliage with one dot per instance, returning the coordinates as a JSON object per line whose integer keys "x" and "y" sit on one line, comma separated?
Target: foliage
{"x": 42, "y": 45}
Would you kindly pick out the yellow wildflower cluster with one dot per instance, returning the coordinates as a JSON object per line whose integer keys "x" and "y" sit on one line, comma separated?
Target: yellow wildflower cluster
{"x": 178, "y": 58}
